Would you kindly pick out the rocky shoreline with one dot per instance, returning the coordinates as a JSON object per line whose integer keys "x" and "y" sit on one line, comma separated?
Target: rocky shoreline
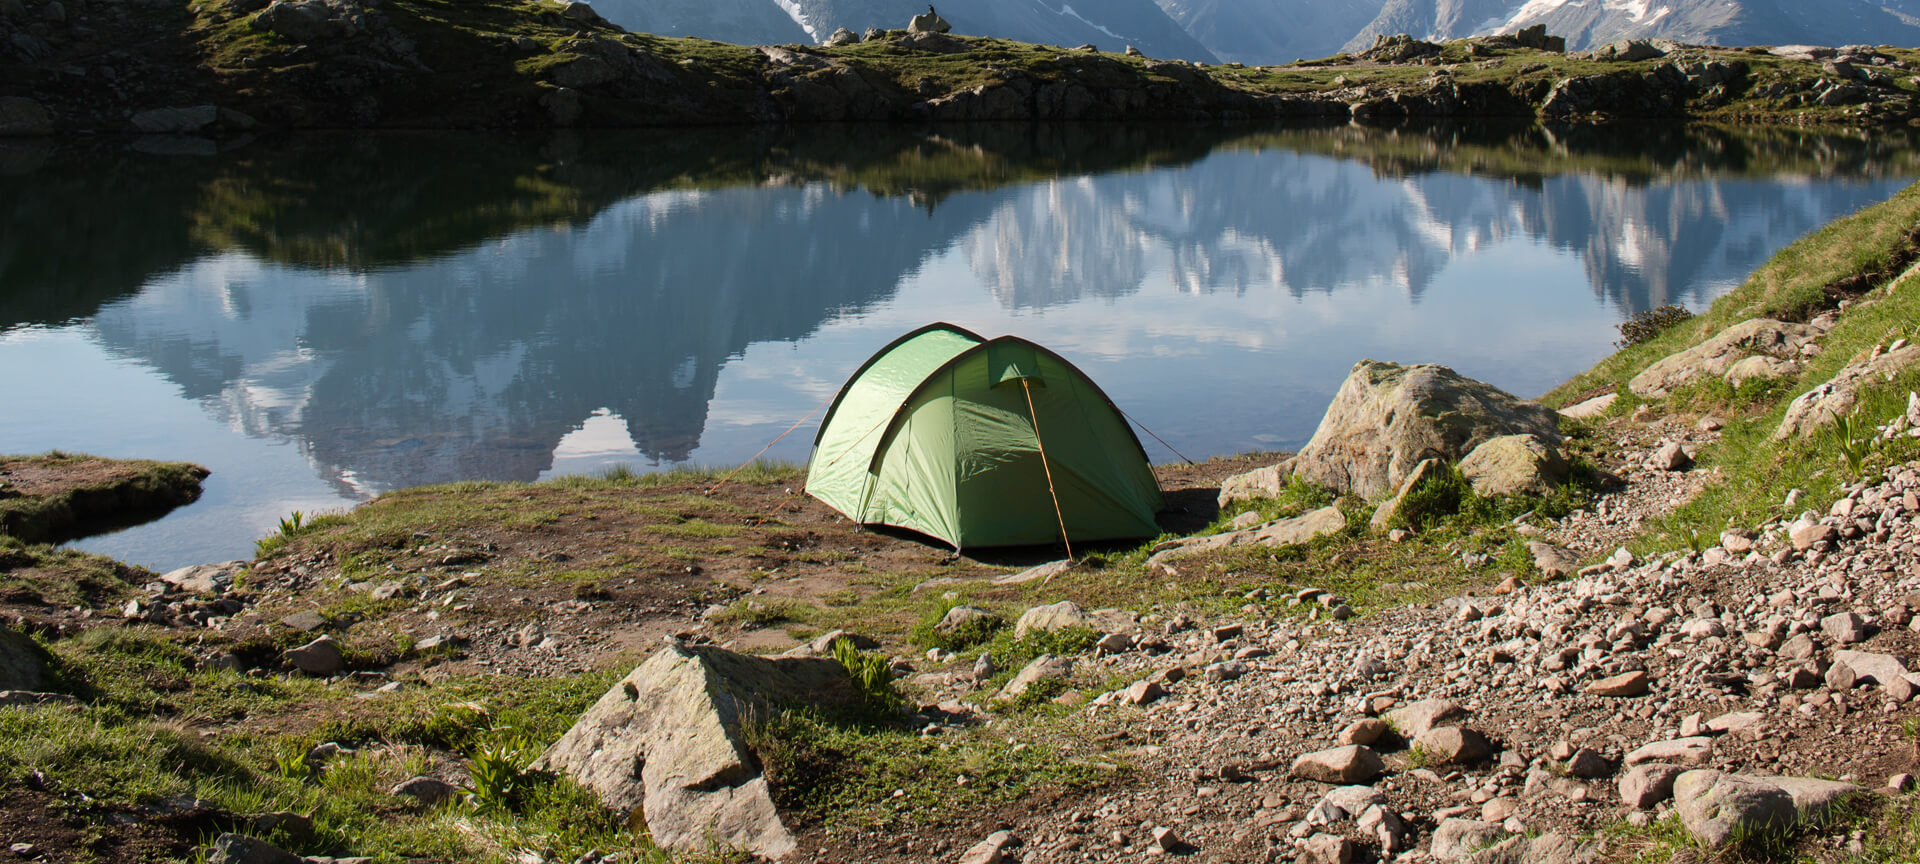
{"x": 238, "y": 67}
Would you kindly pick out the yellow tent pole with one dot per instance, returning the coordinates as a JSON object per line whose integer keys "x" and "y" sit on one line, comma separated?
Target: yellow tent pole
{"x": 1048, "y": 469}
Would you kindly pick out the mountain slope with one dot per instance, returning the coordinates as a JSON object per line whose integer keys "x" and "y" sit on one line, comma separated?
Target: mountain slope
{"x": 1721, "y": 22}
{"x": 1272, "y": 31}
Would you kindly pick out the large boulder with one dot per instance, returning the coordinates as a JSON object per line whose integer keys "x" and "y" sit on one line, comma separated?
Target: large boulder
{"x": 666, "y": 745}
{"x": 1716, "y": 356}
{"x": 1719, "y": 808}
{"x": 1273, "y": 534}
{"x": 1824, "y": 405}
{"x": 1387, "y": 418}
{"x": 1516, "y": 465}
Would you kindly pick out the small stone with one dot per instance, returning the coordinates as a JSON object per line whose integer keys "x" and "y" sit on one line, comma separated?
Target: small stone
{"x": 1226, "y": 671}
{"x": 241, "y": 849}
{"x": 1716, "y": 808}
{"x": 1416, "y": 718}
{"x": 1329, "y": 849}
{"x": 1227, "y": 631}
{"x": 1455, "y": 839}
{"x": 991, "y": 850}
{"x": 1588, "y": 763}
{"x": 1364, "y": 732}
{"x": 1805, "y": 535}
{"x": 429, "y": 791}
{"x": 1845, "y": 628}
{"x": 1680, "y": 751}
{"x": 1900, "y": 782}
{"x": 1644, "y": 786}
{"x": 1143, "y": 692}
{"x": 1167, "y": 840}
{"x": 322, "y": 656}
{"x": 1453, "y": 745}
{"x": 305, "y": 622}
{"x": 1670, "y": 457}
{"x": 1632, "y": 683}
{"x": 1345, "y": 765}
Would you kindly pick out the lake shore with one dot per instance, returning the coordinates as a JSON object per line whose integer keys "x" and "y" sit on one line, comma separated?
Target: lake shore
{"x": 218, "y": 71}
{"x": 478, "y": 619}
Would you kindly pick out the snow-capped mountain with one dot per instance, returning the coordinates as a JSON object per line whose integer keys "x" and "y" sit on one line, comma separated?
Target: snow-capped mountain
{"x": 1109, "y": 24}
{"x": 1278, "y": 31}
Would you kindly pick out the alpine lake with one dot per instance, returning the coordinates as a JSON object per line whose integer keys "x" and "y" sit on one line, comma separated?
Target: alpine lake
{"x": 321, "y": 318}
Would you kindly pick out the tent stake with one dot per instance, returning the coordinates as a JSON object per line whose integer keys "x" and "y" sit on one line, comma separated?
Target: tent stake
{"x": 1048, "y": 469}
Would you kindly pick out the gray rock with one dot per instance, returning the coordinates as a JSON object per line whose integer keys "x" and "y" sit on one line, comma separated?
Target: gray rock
{"x": 1051, "y": 617}
{"x": 931, "y": 22}
{"x": 1670, "y": 457}
{"x": 21, "y": 117}
{"x": 842, "y": 36}
{"x": 1045, "y": 667}
{"x": 1274, "y": 534}
{"x": 1364, "y": 731}
{"x": 1716, "y": 808}
{"x": 204, "y": 578}
{"x": 1041, "y": 573}
{"x": 1760, "y": 367}
{"x": 1516, "y": 465}
{"x": 968, "y": 618}
{"x": 1454, "y": 745}
{"x": 1386, "y": 418}
{"x": 1648, "y": 784}
{"x": 1385, "y": 515}
{"x": 305, "y": 622}
{"x": 1806, "y": 534}
{"x": 1882, "y": 669}
{"x": 1413, "y": 720}
{"x": 1594, "y": 407}
{"x": 579, "y": 72}
{"x": 1628, "y": 51}
{"x": 1344, "y": 765}
{"x": 320, "y": 657}
{"x": 1813, "y": 798}
{"x": 1258, "y": 483}
{"x": 1143, "y": 692}
{"x": 1329, "y": 849}
{"x": 23, "y": 663}
{"x": 1824, "y": 405}
{"x": 1844, "y": 628}
{"x": 991, "y": 850}
{"x": 1632, "y": 683}
{"x": 1455, "y": 839}
{"x": 822, "y": 645}
{"x": 1587, "y": 763}
{"x": 665, "y": 744}
{"x": 429, "y": 791}
{"x": 1553, "y": 562}
{"x": 175, "y": 121}
{"x": 581, "y": 12}
{"x": 1680, "y": 751}
{"x": 241, "y": 849}
{"x": 1713, "y": 357}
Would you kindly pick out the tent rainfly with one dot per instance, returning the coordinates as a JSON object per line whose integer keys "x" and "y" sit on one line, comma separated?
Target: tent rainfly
{"x": 943, "y": 432}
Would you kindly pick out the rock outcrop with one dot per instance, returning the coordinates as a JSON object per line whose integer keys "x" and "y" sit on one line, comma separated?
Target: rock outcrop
{"x": 1273, "y": 534}
{"x": 666, "y": 744}
{"x": 1717, "y": 356}
{"x": 1824, "y": 405}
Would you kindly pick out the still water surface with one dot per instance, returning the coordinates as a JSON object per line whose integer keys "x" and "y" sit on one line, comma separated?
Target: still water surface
{"x": 325, "y": 318}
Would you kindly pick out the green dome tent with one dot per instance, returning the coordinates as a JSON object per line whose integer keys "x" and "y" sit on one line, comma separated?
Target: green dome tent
{"x": 936, "y": 433}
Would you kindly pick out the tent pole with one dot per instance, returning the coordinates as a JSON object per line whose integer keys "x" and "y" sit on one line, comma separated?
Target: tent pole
{"x": 763, "y": 450}
{"x": 1048, "y": 469}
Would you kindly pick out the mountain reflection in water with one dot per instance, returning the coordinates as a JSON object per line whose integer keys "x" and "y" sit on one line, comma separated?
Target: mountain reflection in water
{"x": 422, "y": 309}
